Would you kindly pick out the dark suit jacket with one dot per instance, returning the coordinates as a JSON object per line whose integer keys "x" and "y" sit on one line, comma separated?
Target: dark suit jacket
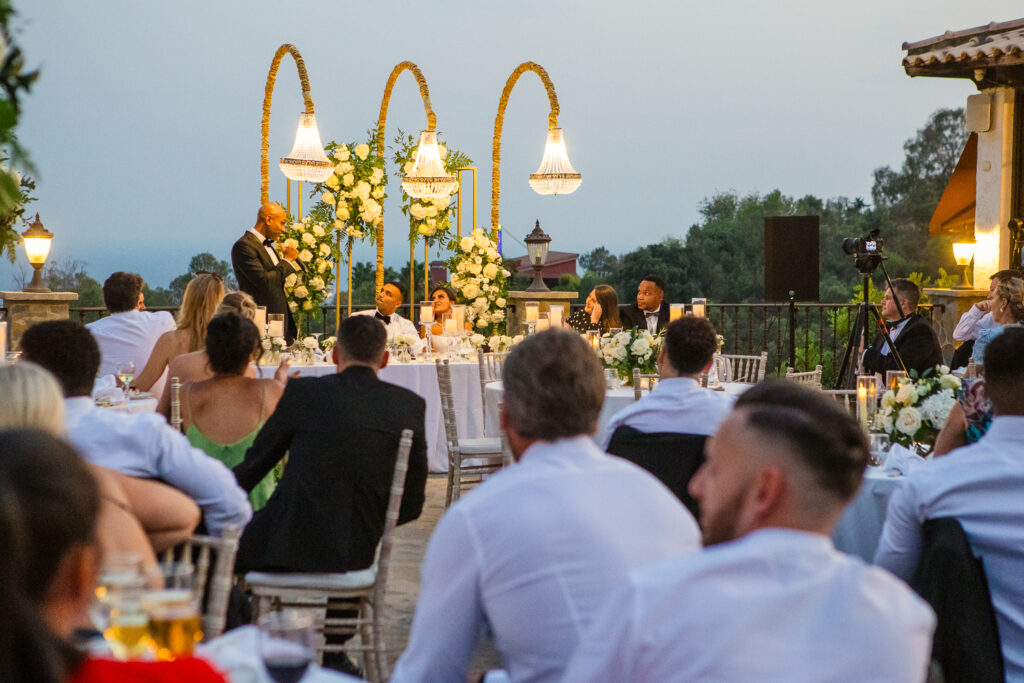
{"x": 916, "y": 343}
{"x": 259, "y": 278}
{"x": 632, "y": 316}
{"x": 341, "y": 433}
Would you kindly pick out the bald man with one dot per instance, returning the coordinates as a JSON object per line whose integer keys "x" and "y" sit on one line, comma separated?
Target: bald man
{"x": 258, "y": 268}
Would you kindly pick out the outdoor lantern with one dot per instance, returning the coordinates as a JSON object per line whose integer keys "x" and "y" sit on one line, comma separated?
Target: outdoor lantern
{"x": 555, "y": 175}
{"x": 428, "y": 178}
{"x": 307, "y": 161}
{"x": 537, "y": 250}
{"x": 963, "y": 254}
{"x": 37, "y": 248}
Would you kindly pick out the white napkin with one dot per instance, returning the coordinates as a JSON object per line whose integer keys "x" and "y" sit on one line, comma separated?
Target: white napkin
{"x": 901, "y": 460}
{"x": 112, "y": 396}
{"x": 103, "y": 382}
{"x": 236, "y": 654}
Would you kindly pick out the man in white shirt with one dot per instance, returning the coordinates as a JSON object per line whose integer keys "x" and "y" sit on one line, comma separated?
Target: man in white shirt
{"x": 678, "y": 404}
{"x": 130, "y": 332}
{"x": 981, "y": 486}
{"x": 772, "y": 599}
{"x": 532, "y": 553}
{"x": 137, "y": 444}
{"x": 389, "y": 298}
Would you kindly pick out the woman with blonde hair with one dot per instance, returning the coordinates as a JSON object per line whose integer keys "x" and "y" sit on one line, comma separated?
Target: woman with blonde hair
{"x": 136, "y": 515}
{"x": 202, "y": 296}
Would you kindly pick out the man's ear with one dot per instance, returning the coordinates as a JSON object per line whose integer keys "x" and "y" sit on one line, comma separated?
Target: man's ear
{"x": 384, "y": 359}
{"x": 769, "y": 490}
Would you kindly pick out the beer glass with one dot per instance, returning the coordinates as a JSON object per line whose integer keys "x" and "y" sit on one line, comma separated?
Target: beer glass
{"x": 174, "y": 620}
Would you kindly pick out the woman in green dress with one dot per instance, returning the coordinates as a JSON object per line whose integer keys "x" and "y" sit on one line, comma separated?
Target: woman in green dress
{"x": 222, "y": 415}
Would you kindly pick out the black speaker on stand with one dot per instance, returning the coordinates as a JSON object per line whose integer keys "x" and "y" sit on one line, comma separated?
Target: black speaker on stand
{"x": 791, "y": 258}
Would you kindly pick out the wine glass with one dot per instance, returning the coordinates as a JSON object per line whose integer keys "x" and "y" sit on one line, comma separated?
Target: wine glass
{"x": 878, "y": 447}
{"x": 287, "y": 644}
{"x": 126, "y": 373}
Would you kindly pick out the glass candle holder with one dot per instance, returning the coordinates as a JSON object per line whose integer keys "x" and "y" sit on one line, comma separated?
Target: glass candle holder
{"x": 676, "y": 311}
{"x": 867, "y": 400}
{"x": 699, "y": 307}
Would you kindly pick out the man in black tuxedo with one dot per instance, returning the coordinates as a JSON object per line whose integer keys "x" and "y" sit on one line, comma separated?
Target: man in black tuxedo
{"x": 259, "y": 270}
{"x": 647, "y": 313}
{"x": 341, "y": 433}
{"x": 911, "y": 334}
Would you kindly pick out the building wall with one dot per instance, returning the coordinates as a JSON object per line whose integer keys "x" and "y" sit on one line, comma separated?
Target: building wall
{"x": 994, "y": 178}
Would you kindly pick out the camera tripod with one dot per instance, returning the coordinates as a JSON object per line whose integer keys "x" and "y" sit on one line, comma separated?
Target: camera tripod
{"x": 860, "y": 329}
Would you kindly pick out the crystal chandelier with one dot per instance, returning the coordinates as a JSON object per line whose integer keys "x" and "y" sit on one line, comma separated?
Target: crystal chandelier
{"x": 428, "y": 178}
{"x": 307, "y": 160}
{"x": 555, "y": 175}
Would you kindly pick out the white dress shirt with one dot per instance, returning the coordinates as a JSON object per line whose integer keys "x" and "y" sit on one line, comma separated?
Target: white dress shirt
{"x": 532, "y": 554}
{"x": 144, "y": 445}
{"x": 270, "y": 250}
{"x": 651, "y": 318}
{"x": 982, "y": 486}
{"x": 398, "y": 325}
{"x": 130, "y": 336}
{"x": 678, "y": 405}
{"x": 972, "y": 322}
{"x": 776, "y": 605}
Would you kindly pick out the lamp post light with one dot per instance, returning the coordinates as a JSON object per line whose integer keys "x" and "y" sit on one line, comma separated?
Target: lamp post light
{"x": 537, "y": 249}
{"x": 37, "y": 248}
{"x": 963, "y": 254}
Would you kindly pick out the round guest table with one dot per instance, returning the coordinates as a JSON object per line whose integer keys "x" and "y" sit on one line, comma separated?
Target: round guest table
{"x": 143, "y": 404}
{"x": 860, "y": 527}
{"x": 421, "y": 378}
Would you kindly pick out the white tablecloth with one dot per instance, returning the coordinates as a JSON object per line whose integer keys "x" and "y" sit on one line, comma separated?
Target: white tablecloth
{"x": 135, "y": 405}
{"x": 860, "y": 527}
{"x": 422, "y": 379}
{"x": 614, "y": 401}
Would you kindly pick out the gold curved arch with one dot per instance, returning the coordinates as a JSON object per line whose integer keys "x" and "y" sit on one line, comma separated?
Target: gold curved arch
{"x": 381, "y": 122}
{"x": 268, "y": 95}
{"x": 499, "y": 121}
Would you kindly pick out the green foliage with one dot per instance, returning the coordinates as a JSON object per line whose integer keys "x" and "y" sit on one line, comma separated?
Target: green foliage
{"x": 203, "y": 261}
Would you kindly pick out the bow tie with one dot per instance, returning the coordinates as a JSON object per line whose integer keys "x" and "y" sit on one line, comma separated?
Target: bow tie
{"x": 268, "y": 242}
{"x": 650, "y": 314}
{"x": 386, "y": 319}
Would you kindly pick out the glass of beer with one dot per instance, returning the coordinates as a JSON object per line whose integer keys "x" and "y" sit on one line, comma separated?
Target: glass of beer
{"x": 174, "y": 618}
{"x": 120, "y": 572}
{"x": 127, "y": 631}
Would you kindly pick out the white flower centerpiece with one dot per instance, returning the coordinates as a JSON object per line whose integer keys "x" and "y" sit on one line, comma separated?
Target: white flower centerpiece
{"x": 501, "y": 342}
{"x": 914, "y": 414}
{"x": 304, "y": 350}
{"x": 402, "y": 345}
{"x": 308, "y": 287}
{"x": 631, "y": 349}
{"x": 272, "y": 348}
{"x": 328, "y": 344}
{"x": 480, "y": 281}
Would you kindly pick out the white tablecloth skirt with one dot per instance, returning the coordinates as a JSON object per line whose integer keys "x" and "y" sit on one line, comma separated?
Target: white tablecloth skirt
{"x": 860, "y": 527}
{"x": 421, "y": 378}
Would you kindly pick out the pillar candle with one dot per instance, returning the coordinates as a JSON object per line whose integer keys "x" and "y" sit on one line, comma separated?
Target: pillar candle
{"x": 3, "y": 343}
{"x": 675, "y": 311}
{"x": 699, "y": 307}
{"x": 862, "y": 406}
{"x": 459, "y": 314}
{"x": 555, "y": 315}
{"x": 531, "y": 313}
{"x": 543, "y": 322}
{"x": 426, "y": 311}
{"x": 450, "y": 326}
{"x": 261, "y": 319}
{"x": 276, "y": 328}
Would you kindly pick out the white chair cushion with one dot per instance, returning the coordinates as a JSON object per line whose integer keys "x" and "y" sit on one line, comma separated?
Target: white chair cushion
{"x": 361, "y": 578}
{"x": 490, "y": 444}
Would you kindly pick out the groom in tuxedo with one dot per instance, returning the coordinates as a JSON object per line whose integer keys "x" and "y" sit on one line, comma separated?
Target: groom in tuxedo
{"x": 259, "y": 270}
{"x": 648, "y": 313}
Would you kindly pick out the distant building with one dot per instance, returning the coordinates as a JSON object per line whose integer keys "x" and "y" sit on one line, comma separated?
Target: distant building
{"x": 559, "y": 263}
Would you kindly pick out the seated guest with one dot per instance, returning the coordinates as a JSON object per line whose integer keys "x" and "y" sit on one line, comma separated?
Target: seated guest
{"x": 977, "y": 318}
{"x": 533, "y": 552}
{"x": 202, "y": 296}
{"x": 913, "y": 337}
{"x": 136, "y": 444}
{"x": 130, "y": 332}
{"x": 50, "y": 564}
{"x": 1007, "y": 309}
{"x": 647, "y": 313}
{"x": 443, "y": 298}
{"x": 389, "y": 298}
{"x": 600, "y": 312}
{"x": 30, "y": 398}
{"x": 341, "y": 434}
{"x": 980, "y": 486}
{"x": 196, "y": 366}
{"x": 769, "y": 598}
{"x": 230, "y": 407}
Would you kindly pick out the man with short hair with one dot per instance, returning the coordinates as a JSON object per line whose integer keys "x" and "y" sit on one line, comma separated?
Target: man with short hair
{"x": 913, "y": 337}
{"x": 389, "y": 298}
{"x": 978, "y": 317}
{"x": 649, "y": 312}
{"x": 341, "y": 434}
{"x": 137, "y": 444}
{"x": 532, "y": 553}
{"x": 259, "y": 270}
{"x": 130, "y": 332}
{"x": 981, "y": 486}
{"x": 769, "y": 598}
{"x": 678, "y": 403}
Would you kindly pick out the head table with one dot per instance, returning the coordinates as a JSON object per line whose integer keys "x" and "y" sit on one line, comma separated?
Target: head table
{"x": 421, "y": 378}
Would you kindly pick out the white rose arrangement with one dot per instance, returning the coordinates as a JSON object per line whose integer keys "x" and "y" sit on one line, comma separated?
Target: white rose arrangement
{"x": 916, "y": 411}
{"x": 480, "y": 281}
{"x": 429, "y": 219}
{"x": 403, "y": 342}
{"x": 308, "y": 287}
{"x": 631, "y": 349}
{"x": 352, "y": 198}
{"x": 328, "y": 344}
{"x": 502, "y": 343}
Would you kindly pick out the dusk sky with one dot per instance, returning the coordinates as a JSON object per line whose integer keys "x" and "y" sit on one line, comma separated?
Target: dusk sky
{"x": 145, "y": 123}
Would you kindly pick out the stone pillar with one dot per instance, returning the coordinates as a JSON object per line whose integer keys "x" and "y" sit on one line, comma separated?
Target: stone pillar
{"x": 517, "y": 300}
{"x": 24, "y": 309}
{"x": 948, "y": 306}
{"x": 994, "y": 182}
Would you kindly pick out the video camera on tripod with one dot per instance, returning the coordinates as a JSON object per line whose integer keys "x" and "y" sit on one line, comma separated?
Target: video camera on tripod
{"x": 866, "y": 251}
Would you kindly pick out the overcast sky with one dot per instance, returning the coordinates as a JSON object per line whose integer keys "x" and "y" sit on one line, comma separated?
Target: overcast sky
{"x": 145, "y": 123}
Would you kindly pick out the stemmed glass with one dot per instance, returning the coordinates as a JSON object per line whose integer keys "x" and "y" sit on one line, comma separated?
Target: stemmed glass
{"x": 126, "y": 373}
{"x": 878, "y": 447}
{"x": 287, "y": 644}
